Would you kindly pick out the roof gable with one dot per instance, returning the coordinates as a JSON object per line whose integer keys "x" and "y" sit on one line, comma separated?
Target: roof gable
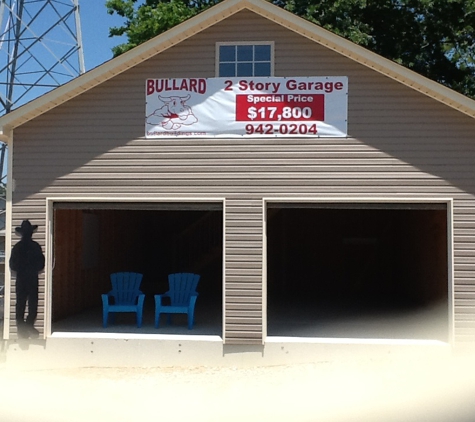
{"x": 212, "y": 16}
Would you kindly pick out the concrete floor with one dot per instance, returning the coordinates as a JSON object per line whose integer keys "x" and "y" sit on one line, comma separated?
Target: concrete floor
{"x": 307, "y": 321}
{"x": 301, "y": 334}
{"x": 208, "y": 322}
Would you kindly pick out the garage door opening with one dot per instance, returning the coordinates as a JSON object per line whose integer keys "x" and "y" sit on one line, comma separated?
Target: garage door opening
{"x": 358, "y": 271}
{"x": 91, "y": 241}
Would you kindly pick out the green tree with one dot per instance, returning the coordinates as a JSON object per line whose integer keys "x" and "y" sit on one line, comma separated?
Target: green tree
{"x": 435, "y": 38}
{"x": 149, "y": 18}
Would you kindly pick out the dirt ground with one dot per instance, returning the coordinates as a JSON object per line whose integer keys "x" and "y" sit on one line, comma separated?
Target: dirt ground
{"x": 358, "y": 390}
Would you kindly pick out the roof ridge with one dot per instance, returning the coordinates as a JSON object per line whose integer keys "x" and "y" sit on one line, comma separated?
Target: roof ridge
{"x": 210, "y": 17}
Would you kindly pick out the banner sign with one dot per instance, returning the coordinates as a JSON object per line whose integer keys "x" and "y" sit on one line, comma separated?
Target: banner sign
{"x": 247, "y": 107}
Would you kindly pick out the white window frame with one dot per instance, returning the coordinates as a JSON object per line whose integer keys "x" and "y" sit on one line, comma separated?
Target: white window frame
{"x": 253, "y": 43}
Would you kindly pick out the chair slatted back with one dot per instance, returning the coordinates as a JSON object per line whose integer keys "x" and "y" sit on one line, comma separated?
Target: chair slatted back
{"x": 181, "y": 287}
{"x": 125, "y": 287}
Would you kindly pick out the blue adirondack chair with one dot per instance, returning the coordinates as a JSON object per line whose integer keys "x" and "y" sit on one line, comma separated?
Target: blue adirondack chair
{"x": 125, "y": 296}
{"x": 182, "y": 296}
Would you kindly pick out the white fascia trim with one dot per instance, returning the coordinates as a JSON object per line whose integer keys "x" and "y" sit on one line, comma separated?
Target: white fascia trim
{"x": 264, "y": 271}
{"x": 217, "y": 14}
{"x": 450, "y": 270}
{"x": 358, "y": 199}
{"x": 364, "y": 56}
{"x": 121, "y": 63}
{"x": 48, "y": 268}
{"x": 6, "y": 134}
{"x": 134, "y": 199}
{"x": 223, "y": 300}
{"x": 8, "y": 241}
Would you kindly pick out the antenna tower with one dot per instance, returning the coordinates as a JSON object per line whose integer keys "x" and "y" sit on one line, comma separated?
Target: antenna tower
{"x": 40, "y": 48}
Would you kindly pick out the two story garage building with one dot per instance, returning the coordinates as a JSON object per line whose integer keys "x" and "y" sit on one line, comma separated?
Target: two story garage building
{"x": 321, "y": 191}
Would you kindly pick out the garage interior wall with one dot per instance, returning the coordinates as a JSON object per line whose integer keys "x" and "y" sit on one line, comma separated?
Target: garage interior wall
{"x": 362, "y": 259}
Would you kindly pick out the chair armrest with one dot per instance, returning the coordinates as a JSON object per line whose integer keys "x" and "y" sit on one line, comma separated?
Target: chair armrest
{"x": 108, "y": 295}
{"x": 193, "y": 298}
{"x": 158, "y": 300}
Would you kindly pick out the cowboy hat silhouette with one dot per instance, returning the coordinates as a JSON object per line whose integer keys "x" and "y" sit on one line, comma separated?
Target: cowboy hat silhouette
{"x": 26, "y": 228}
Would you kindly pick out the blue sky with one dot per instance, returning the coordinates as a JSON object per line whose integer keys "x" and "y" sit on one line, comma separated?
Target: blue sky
{"x": 95, "y": 24}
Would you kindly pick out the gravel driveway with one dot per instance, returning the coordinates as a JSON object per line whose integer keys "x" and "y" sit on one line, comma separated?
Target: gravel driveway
{"x": 359, "y": 390}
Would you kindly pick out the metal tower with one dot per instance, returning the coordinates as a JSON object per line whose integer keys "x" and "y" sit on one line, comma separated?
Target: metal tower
{"x": 40, "y": 48}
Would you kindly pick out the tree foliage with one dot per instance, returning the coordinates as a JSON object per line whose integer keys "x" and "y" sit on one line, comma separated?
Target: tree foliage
{"x": 435, "y": 38}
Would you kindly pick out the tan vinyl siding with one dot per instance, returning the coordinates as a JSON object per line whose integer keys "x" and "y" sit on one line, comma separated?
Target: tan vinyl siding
{"x": 243, "y": 290}
{"x": 401, "y": 144}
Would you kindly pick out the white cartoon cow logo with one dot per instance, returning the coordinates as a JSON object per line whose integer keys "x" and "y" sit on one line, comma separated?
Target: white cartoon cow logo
{"x": 173, "y": 114}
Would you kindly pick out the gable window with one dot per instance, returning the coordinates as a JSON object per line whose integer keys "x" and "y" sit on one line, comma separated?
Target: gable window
{"x": 244, "y": 59}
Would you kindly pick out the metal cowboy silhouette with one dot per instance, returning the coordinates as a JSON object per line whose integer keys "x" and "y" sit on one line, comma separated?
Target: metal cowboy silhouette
{"x": 26, "y": 260}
